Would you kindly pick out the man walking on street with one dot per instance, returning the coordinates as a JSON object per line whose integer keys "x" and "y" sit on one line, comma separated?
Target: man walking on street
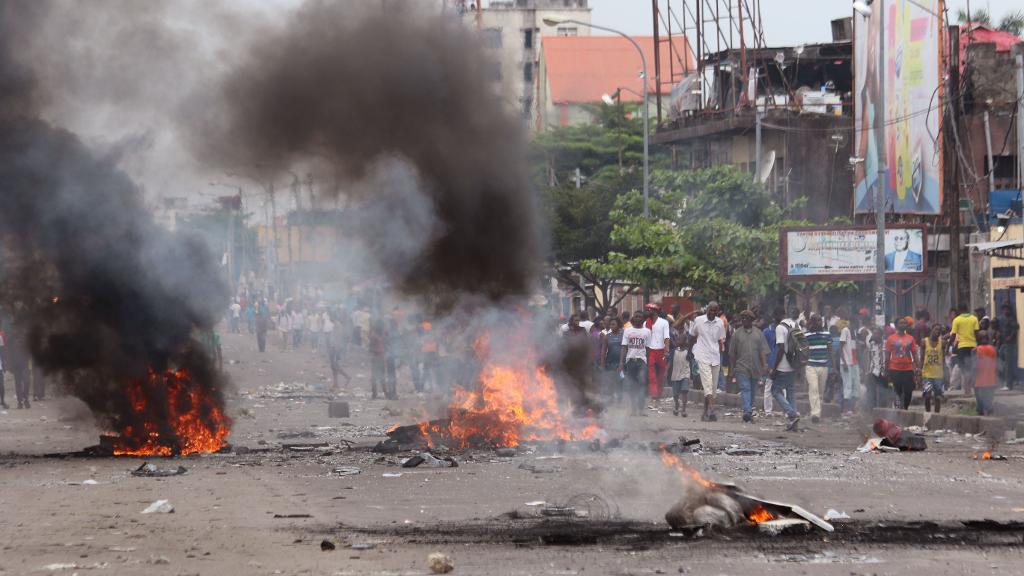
{"x": 849, "y": 366}
{"x": 661, "y": 339}
{"x": 1011, "y": 329}
{"x": 747, "y": 352}
{"x": 903, "y": 362}
{"x": 633, "y": 363}
{"x": 965, "y": 328}
{"x": 784, "y": 373}
{"x": 819, "y": 344}
{"x": 709, "y": 333}
{"x": 769, "y": 338}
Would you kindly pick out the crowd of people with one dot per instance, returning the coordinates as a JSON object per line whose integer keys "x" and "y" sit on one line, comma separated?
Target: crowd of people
{"x": 837, "y": 357}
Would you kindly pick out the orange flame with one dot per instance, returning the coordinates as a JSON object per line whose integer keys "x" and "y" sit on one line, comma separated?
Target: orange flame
{"x": 685, "y": 472}
{"x": 986, "y": 455}
{"x": 760, "y": 514}
{"x": 513, "y": 404}
{"x": 186, "y": 421}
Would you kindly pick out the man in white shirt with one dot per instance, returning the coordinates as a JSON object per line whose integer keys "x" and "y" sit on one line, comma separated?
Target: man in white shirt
{"x": 236, "y": 314}
{"x": 783, "y": 374}
{"x": 849, "y": 368}
{"x": 709, "y": 332}
{"x": 633, "y": 363}
{"x": 657, "y": 350}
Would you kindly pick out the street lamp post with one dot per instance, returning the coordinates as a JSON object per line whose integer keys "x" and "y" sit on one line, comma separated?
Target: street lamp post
{"x": 556, "y": 20}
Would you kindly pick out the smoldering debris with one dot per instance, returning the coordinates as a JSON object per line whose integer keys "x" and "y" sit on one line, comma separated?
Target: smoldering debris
{"x": 100, "y": 295}
{"x": 346, "y": 85}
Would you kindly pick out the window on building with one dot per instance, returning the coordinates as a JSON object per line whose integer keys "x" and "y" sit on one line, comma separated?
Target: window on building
{"x": 528, "y": 72}
{"x": 1004, "y": 272}
{"x": 567, "y": 31}
{"x": 491, "y": 38}
{"x": 1006, "y": 166}
{"x": 528, "y": 39}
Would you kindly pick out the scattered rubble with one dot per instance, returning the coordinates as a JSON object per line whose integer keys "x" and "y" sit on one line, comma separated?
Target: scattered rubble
{"x": 327, "y": 545}
{"x": 152, "y": 471}
{"x": 784, "y": 526}
{"x": 440, "y": 563}
{"x": 159, "y": 507}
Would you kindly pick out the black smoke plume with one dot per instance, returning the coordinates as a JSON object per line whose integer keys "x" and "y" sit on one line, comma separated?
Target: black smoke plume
{"x": 98, "y": 292}
{"x": 352, "y": 86}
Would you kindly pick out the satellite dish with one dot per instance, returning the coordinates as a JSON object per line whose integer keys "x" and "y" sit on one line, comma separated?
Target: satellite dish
{"x": 767, "y": 163}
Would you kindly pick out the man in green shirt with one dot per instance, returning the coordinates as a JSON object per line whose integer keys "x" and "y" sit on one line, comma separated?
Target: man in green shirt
{"x": 747, "y": 352}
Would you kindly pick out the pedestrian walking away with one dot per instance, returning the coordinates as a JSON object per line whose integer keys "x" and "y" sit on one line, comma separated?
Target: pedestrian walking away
{"x": 819, "y": 345}
{"x": 1008, "y": 346}
{"x": 708, "y": 332}
{"x": 747, "y": 353}
{"x": 849, "y": 366}
{"x": 788, "y": 358}
{"x": 965, "y": 333}
{"x": 985, "y": 382}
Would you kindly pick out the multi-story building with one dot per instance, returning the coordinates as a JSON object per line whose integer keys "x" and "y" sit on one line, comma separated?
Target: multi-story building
{"x": 513, "y": 30}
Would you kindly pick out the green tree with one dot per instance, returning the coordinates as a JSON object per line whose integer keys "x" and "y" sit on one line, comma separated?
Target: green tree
{"x": 713, "y": 231}
{"x": 1012, "y": 22}
{"x": 581, "y": 171}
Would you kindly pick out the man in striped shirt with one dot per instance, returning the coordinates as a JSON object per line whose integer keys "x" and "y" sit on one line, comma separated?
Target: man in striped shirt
{"x": 820, "y": 343}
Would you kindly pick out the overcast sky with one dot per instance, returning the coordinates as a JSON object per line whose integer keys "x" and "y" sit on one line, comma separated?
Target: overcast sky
{"x": 781, "y": 27}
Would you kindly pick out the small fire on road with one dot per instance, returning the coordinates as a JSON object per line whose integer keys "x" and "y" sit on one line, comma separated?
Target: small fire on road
{"x": 514, "y": 401}
{"x": 170, "y": 415}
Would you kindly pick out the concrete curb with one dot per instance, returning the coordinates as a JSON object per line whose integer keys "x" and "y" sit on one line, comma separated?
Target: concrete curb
{"x": 726, "y": 400}
{"x": 993, "y": 427}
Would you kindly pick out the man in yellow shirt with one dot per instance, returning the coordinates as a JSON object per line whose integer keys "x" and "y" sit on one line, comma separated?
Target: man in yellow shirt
{"x": 933, "y": 370}
{"x": 965, "y": 330}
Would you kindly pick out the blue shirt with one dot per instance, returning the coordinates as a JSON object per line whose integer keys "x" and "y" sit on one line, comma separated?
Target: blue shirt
{"x": 769, "y": 335}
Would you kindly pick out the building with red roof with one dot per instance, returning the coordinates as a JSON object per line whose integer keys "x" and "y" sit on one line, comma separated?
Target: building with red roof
{"x": 578, "y": 71}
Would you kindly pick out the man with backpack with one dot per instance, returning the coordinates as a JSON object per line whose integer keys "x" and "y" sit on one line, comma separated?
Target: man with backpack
{"x": 792, "y": 352}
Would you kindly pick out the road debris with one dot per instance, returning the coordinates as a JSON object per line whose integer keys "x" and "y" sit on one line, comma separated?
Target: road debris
{"x": 159, "y": 507}
{"x": 440, "y": 563}
{"x": 505, "y": 452}
{"x": 833, "y": 514}
{"x": 293, "y": 515}
{"x": 784, "y": 526}
{"x": 327, "y": 545}
{"x": 152, "y": 471}
{"x": 392, "y": 474}
{"x": 346, "y": 471}
{"x": 363, "y": 546}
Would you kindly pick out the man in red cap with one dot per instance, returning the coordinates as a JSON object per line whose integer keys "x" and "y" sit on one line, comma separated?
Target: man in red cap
{"x": 657, "y": 364}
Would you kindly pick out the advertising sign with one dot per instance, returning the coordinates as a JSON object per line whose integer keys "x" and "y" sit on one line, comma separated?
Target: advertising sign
{"x": 907, "y": 123}
{"x": 849, "y": 253}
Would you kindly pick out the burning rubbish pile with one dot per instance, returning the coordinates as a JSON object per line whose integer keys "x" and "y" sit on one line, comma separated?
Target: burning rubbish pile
{"x": 511, "y": 400}
{"x": 709, "y": 504}
{"x": 102, "y": 298}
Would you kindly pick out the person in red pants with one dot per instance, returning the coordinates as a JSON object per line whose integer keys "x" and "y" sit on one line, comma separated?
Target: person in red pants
{"x": 657, "y": 353}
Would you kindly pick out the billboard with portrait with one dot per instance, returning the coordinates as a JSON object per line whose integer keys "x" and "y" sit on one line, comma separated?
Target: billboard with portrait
{"x": 849, "y": 253}
{"x": 907, "y": 124}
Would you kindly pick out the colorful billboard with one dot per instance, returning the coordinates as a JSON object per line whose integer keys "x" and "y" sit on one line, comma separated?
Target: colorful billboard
{"x": 907, "y": 123}
{"x": 849, "y": 253}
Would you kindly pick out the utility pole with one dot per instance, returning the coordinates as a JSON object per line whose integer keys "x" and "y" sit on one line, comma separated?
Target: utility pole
{"x": 757, "y": 143}
{"x": 883, "y": 174}
{"x": 954, "y": 210}
{"x": 1018, "y": 65}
